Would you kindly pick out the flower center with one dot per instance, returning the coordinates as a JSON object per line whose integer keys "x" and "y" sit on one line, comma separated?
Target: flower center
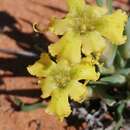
{"x": 84, "y": 24}
{"x": 62, "y": 78}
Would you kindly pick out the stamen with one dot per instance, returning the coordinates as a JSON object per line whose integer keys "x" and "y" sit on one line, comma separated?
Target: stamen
{"x": 62, "y": 78}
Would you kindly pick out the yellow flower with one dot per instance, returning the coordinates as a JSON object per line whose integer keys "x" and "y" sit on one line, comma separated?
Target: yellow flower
{"x": 68, "y": 47}
{"x": 61, "y": 80}
{"x": 112, "y": 27}
{"x": 86, "y": 28}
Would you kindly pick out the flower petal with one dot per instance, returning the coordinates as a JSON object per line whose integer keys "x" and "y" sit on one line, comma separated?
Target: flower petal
{"x": 47, "y": 86}
{"x": 84, "y": 71}
{"x": 68, "y": 47}
{"x": 75, "y": 6}
{"x": 60, "y": 26}
{"x": 63, "y": 66}
{"x": 77, "y": 91}
{"x": 93, "y": 11}
{"x": 112, "y": 27}
{"x": 59, "y": 104}
{"x": 93, "y": 42}
{"x": 41, "y": 67}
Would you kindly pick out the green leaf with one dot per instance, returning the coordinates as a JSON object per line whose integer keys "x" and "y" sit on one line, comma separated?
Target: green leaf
{"x": 109, "y": 102}
{"x": 100, "y": 91}
{"x": 120, "y": 119}
{"x": 128, "y": 98}
{"x": 109, "y": 54}
{"x": 125, "y": 49}
{"x": 97, "y": 83}
{"x": 107, "y": 70}
{"x": 114, "y": 79}
{"x": 119, "y": 61}
{"x": 28, "y": 107}
{"x": 124, "y": 72}
{"x": 100, "y": 2}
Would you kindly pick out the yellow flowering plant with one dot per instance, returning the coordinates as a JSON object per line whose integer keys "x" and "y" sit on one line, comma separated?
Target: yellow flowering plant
{"x": 87, "y": 33}
{"x": 89, "y": 28}
{"x": 61, "y": 80}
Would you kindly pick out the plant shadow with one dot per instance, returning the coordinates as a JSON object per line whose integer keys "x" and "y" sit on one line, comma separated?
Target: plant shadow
{"x": 75, "y": 122}
{"x": 31, "y": 43}
{"x": 33, "y": 93}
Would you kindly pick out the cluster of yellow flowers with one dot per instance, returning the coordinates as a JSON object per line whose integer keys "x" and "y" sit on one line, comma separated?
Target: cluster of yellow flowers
{"x": 85, "y": 31}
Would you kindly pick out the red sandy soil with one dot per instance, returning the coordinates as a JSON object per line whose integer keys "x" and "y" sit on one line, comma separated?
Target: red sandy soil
{"x": 16, "y": 38}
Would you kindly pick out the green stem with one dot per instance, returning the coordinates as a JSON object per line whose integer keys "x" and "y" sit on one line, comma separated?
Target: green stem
{"x": 110, "y": 55}
{"x": 100, "y": 2}
{"x": 109, "y": 5}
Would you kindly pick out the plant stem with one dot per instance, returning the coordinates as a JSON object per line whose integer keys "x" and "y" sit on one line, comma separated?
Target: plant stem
{"x": 109, "y": 5}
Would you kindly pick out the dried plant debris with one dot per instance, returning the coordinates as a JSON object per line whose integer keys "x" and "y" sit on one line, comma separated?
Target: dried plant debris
{"x": 99, "y": 116}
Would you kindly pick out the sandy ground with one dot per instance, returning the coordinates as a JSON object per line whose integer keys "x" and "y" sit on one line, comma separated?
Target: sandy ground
{"x": 16, "y": 37}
